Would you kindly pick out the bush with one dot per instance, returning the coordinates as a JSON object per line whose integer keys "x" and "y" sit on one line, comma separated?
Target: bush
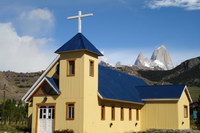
{"x": 64, "y": 131}
{"x": 198, "y": 114}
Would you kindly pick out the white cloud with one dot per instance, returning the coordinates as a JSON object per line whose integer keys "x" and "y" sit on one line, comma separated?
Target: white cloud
{"x": 186, "y": 4}
{"x": 37, "y": 22}
{"x": 23, "y": 53}
{"x": 40, "y": 14}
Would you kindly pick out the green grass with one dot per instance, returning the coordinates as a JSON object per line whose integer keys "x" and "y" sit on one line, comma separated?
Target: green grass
{"x": 194, "y": 92}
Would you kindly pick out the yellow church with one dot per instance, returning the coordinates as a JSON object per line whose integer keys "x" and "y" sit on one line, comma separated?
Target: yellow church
{"x": 76, "y": 93}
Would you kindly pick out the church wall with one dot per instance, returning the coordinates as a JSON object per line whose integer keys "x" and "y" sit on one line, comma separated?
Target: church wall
{"x": 159, "y": 115}
{"x": 60, "y": 113}
{"x": 184, "y": 123}
{"x": 92, "y": 107}
{"x": 72, "y": 91}
{"x": 118, "y": 125}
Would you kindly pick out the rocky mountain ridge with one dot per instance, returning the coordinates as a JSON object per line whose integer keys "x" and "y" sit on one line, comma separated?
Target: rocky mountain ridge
{"x": 160, "y": 58}
{"x": 188, "y": 72}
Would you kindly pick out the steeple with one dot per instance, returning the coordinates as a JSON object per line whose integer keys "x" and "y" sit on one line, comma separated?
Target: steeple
{"x": 78, "y": 43}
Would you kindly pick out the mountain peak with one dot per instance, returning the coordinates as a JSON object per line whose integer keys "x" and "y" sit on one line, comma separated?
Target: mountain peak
{"x": 161, "y": 47}
{"x": 142, "y": 61}
{"x": 141, "y": 55}
{"x": 160, "y": 58}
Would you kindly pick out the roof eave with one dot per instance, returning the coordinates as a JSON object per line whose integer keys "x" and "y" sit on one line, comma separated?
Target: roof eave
{"x": 160, "y": 99}
{"x": 115, "y": 100}
{"x": 61, "y": 52}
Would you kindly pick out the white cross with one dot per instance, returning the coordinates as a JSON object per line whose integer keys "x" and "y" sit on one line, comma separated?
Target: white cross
{"x": 79, "y": 19}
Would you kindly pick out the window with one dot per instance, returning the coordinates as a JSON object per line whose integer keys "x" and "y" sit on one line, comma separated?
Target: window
{"x": 122, "y": 114}
{"x": 137, "y": 115}
{"x": 70, "y": 111}
{"x": 103, "y": 112}
{"x": 71, "y": 67}
{"x": 185, "y": 111}
{"x": 112, "y": 113}
{"x": 91, "y": 68}
{"x": 130, "y": 114}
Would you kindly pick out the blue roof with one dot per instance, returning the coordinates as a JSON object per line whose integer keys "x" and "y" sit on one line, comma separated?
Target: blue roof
{"x": 53, "y": 83}
{"x": 160, "y": 91}
{"x": 118, "y": 85}
{"x": 78, "y": 42}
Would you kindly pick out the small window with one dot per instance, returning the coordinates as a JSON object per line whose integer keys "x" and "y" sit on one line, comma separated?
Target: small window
{"x": 40, "y": 113}
{"x": 91, "y": 68}
{"x": 103, "y": 112}
{"x": 70, "y": 111}
{"x": 112, "y": 113}
{"x": 185, "y": 111}
{"x": 71, "y": 67}
{"x": 122, "y": 114}
{"x": 137, "y": 115}
{"x": 130, "y": 114}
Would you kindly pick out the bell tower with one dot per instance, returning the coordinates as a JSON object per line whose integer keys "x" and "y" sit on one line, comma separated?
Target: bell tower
{"x": 78, "y": 76}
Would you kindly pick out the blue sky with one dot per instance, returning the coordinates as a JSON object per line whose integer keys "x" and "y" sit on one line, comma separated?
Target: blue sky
{"x": 31, "y": 30}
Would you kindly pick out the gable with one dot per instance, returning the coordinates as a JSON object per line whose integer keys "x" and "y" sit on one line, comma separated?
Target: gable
{"x": 46, "y": 87}
{"x": 34, "y": 86}
{"x": 187, "y": 93}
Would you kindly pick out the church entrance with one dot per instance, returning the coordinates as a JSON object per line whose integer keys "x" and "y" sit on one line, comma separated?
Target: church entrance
{"x": 46, "y": 118}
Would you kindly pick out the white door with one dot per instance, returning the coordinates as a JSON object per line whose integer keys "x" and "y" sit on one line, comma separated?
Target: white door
{"x": 46, "y": 119}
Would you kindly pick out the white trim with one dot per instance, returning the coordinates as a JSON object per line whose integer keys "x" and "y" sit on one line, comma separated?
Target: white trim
{"x": 108, "y": 99}
{"x": 31, "y": 90}
{"x": 188, "y": 93}
{"x": 99, "y": 95}
{"x": 57, "y": 91}
{"x": 161, "y": 99}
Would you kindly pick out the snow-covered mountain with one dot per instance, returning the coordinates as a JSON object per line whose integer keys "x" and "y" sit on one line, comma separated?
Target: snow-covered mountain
{"x": 142, "y": 61}
{"x": 160, "y": 58}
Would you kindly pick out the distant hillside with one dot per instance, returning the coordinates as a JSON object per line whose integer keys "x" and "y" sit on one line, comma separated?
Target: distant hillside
{"x": 187, "y": 73}
{"x": 16, "y": 83}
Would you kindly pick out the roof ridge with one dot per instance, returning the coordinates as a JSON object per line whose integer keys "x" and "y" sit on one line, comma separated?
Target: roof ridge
{"x": 81, "y": 38}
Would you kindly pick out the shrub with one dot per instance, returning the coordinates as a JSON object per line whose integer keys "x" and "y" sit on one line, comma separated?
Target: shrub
{"x": 198, "y": 114}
